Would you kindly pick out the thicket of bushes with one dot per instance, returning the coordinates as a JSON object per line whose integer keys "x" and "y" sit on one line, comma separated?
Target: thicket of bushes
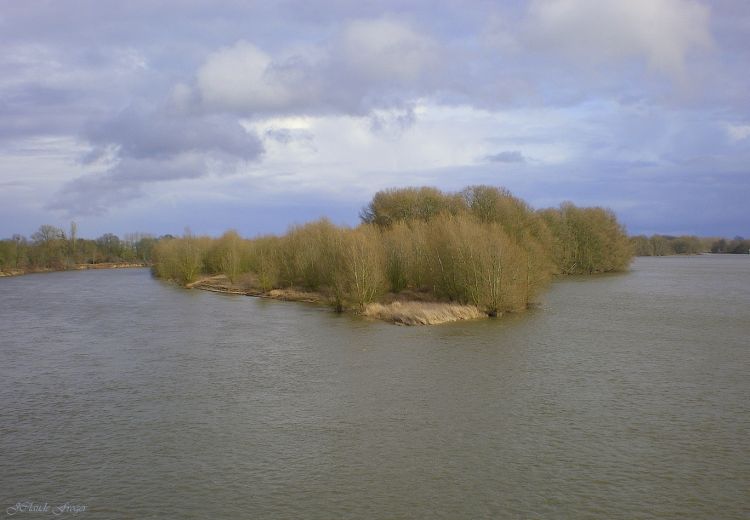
{"x": 481, "y": 246}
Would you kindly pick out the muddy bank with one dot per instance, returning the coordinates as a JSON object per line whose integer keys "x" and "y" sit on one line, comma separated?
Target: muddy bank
{"x": 246, "y": 287}
{"x": 75, "y": 267}
{"x": 111, "y": 265}
{"x": 417, "y": 311}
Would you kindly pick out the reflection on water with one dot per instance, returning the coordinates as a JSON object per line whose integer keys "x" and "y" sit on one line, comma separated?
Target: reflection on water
{"x": 622, "y": 397}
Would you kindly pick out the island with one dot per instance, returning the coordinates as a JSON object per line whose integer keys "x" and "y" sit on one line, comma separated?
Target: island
{"x": 419, "y": 256}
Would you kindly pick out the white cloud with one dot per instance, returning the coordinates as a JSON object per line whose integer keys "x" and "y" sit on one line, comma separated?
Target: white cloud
{"x": 387, "y": 50}
{"x": 661, "y": 31}
{"x": 243, "y": 77}
{"x": 738, "y": 132}
{"x": 343, "y": 153}
{"x": 363, "y": 66}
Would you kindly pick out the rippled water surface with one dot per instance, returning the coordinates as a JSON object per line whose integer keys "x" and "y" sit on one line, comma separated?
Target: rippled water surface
{"x": 624, "y": 396}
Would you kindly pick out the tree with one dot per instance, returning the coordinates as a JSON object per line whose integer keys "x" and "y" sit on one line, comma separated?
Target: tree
{"x": 588, "y": 240}
{"x": 264, "y": 260}
{"x": 144, "y": 247}
{"x": 361, "y": 277}
{"x": 231, "y": 256}
{"x": 406, "y": 204}
{"x": 642, "y": 245}
{"x": 110, "y": 247}
{"x": 73, "y": 238}
{"x": 48, "y": 241}
{"x": 180, "y": 259}
{"x": 20, "y": 249}
{"x": 397, "y": 255}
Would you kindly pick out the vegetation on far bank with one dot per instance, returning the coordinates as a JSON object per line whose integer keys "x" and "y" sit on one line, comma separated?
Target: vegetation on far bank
{"x": 667, "y": 245}
{"x": 54, "y": 249}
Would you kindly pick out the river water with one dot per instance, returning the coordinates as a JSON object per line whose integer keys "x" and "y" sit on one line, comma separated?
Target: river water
{"x": 623, "y": 396}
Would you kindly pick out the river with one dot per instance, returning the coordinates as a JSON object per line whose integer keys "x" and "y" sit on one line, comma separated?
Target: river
{"x": 622, "y": 396}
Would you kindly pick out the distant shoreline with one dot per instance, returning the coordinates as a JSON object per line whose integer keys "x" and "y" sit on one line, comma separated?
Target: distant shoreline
{"x": 76, "y": 267}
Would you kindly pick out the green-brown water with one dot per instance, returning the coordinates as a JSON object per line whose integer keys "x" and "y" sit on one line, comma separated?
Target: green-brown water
{"x": 624, "y": 396}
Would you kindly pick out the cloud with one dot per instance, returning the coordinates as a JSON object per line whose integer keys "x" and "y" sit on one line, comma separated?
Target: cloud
{"x": 738, "y": 132}
{"x": 363, "y": 66}
{"x": 506, "y": 157}
{"x": 97, "y": 193}
{"x": 350, "y": 97}
{"x": 46, "y": 92}
{"x": 141, "y": 146}
{"x": 393, "y": 122}
{"x": 141, "y": 133}
{"x": 387, "y": 51}
{"x": 94, "y": 194}
{"x": 244, "y": 78}
{"x": 663, "y": 32}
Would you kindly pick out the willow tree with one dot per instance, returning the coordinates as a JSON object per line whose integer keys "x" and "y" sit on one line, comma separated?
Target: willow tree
{"x": 407, "y": 204}
{"x": 231, "y": 247}
{"x": 477, "y": 262}
{"x": 398, "y": 255}
{"x": 180, "y": 259}
{"x": 588, "y": 240}
{"x": 524, "y": 227}
{"x": 305, "y": 255}
{"x": 360, "y": 275}
{"x": 264, "y": 261}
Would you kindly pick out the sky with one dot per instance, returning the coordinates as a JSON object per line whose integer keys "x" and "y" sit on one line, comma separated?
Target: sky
{"x": 157, "y": 116}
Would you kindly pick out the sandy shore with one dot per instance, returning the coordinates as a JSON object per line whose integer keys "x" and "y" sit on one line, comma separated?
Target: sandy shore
{"x": 12, "y": 272}
{"x": 401, "y": 312}
{"x": 422, "y": 313}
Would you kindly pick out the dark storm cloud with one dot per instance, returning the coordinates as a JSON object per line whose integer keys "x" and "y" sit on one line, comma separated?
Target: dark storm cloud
{"x": 151, "y": 146}
{"x": 161, "y": 134}
{"x": 96, "y": 193}
{"x": 513, "y": 156}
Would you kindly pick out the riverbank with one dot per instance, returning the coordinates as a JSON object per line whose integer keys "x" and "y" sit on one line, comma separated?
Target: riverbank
{"x": 75, "y": 267}
{"x": 396, "y": 309}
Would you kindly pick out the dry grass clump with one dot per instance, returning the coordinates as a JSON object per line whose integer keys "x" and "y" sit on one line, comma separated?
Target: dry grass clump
{"x": 295, "y": 295}
{"x": 422, "y": 313}
{"x": 12, "y": 272}
{"x": 218, "y": 279}
{"x": 218, "y": 283}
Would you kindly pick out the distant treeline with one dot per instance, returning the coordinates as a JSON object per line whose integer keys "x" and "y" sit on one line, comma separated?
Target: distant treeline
{"x": 53, "y": 248}
{"x": 481, "y": 246}
{"x": 665, "y": 245}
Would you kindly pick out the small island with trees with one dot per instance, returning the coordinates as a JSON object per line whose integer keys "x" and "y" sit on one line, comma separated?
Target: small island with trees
{"x": 419, "y": 256}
